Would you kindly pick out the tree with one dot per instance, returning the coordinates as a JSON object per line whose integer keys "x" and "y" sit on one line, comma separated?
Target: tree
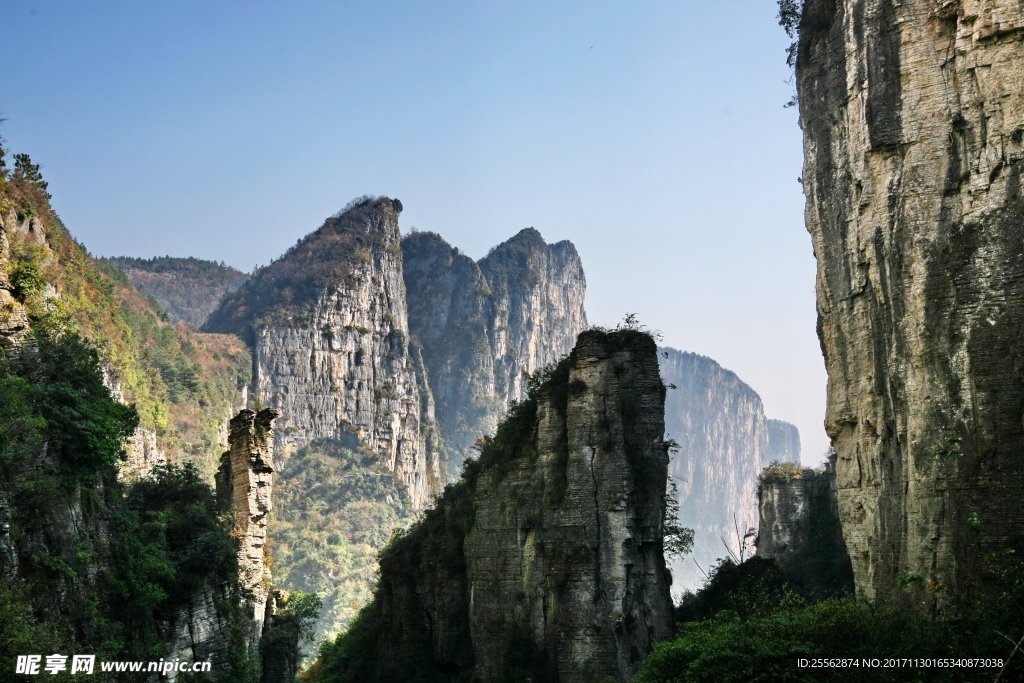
{"x": 25, "y": 170}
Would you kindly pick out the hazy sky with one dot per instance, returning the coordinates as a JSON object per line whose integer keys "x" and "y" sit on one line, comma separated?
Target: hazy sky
{"x": 651, "y": 134}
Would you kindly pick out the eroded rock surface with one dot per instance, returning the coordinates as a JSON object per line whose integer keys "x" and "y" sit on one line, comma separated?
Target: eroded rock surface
{"x": 913, "y": 120}
{"x": 799, "y": 528}
{"x": 328, "y": 324}
{"x": 483, "y": 325}
{"x": 546, "y": 561}
{"x": 245, "y": 484}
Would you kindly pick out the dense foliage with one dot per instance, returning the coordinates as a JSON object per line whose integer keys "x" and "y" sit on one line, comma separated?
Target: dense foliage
{"x": 284, "y": 291}
{"x": 183, "y": 384}
{"x": 748, "y": 625}
{"x": 90, "y": 563}
{"x": 137, "y": 553}
{"x": 59, "y": 399}
{"x": 335, "y": 507}
{"x": 188, "y": 289}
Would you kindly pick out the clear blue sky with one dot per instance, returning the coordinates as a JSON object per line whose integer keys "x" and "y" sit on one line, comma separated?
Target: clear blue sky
{"x": 651, "y": 134}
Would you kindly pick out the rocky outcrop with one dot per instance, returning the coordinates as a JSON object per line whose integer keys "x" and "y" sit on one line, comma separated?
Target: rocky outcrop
{"x": 799, "y": 528}
{"x": 484, "y": 326}
{"x": 245, "y": 482}
{"x": 545, "y": 562}
{"x": 14, "y": 330}
{"x": 328, "y": 323}
{"x": 724, "y": 442}
{"x": 914, "y": 145}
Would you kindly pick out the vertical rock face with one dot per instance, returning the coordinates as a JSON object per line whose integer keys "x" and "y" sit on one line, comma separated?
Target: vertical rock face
{"x": 799, "y": 527}
{"x": 483, "y": 325}
{"x": 14, "y": 332}
{"x": 546, "y": 562}
{"x": 724, "y": 443}
{"x": 913, "y": 117}
{"x": 244, "y": 486}
{"x": 783, "y": 442}
{"x": 328, "y": 323}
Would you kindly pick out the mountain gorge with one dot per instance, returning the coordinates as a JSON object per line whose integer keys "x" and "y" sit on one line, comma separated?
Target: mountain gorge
{"x": 724, "y": 442}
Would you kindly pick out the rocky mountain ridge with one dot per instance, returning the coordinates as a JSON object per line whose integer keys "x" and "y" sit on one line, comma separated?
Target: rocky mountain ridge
{"x": 485, "y": 326}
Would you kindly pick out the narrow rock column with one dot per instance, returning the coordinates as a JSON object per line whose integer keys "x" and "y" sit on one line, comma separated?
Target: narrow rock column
{"x": 244, "y": 486}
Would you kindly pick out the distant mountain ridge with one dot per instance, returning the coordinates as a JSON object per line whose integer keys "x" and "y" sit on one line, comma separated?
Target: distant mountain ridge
{"x": 484, "y": 326}
{"x": 188, "y": 289}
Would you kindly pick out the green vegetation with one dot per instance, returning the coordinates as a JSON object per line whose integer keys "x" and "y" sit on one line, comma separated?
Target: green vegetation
{"x": 183, "y": 384}
{"x": 102, "y": 564}
{"x": 134, "y": 555}
{"x": 188, "y": 289}
{"x": 748, "y": 625}
{"x": 335, "y": 507}
{"x": 283, "y": 292}
{"x": 59, "y": 399}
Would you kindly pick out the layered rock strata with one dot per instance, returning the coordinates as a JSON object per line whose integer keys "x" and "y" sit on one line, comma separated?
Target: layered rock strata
{"x": 913, "y": 123}
{"x": 799, "y": 528}
{"x": 724, "y": 441}
{"x": 546, "y": 561}
{"x": 485, "y": 325}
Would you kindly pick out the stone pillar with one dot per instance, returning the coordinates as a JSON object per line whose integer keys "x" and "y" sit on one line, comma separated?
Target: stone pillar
{"x": 244, "y": 485}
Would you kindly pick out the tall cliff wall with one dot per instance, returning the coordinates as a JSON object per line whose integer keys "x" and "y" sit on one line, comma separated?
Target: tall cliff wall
{"x": 483, "y": 325}
{"x": 799, "y": 528}
{"x": 545, "y": 562}
{"x": 913, "y": 121}
{"x": 329, "y": 328}
{"x": 724, "y": 443}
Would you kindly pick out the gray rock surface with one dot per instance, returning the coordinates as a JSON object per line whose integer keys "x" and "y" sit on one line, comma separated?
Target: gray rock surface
{"x": 329, "y": 328}
{"x": 245, "y": 484}
{"x": 546, "y": 562}
{"x": 724, "y": 443}
{"x": 912, "y": 115}
{"x": 799, "y": 527}
{"x": 483, "y": 325}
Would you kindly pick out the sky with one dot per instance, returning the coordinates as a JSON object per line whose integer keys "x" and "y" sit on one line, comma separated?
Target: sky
{"x": 653, "y": 135}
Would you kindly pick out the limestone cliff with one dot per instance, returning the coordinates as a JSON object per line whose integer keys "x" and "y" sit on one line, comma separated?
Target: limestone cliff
{"x": 545, "y": 562}
{"x": 483, "y": 325}
{"x": 329, "y": 328}
{"x": 724, "y": 443}
{"x": 799, "y": 528}
{"x": 913, "y": 123}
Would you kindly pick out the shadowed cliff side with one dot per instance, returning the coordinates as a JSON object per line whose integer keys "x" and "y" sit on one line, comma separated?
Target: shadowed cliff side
{"x": 484, "y": 326}
{"x": 913, "y": 151}
{"x": 545, "y": 560}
